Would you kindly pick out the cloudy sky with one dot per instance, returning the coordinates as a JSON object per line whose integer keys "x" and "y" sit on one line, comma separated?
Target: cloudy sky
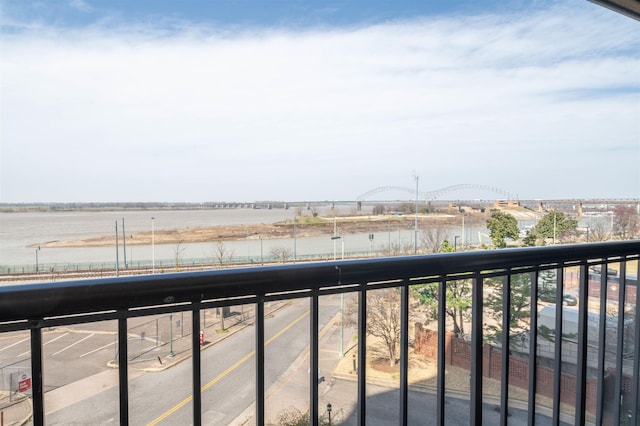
{"x": 245, "y": 100}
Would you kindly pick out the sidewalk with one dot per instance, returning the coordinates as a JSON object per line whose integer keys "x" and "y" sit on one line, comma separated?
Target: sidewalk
{"x": 16, "y": 412}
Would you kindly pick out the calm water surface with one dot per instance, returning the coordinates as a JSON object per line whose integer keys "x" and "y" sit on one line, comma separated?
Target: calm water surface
{"x": 21, "y": 233}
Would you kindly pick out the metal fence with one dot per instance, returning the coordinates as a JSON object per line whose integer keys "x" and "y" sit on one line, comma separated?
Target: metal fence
{"x": 36, "y": 306}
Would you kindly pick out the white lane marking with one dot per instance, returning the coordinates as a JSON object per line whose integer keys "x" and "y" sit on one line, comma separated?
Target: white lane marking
{"x": 16, "y": 343}
{"x": 53, "y": 340}
{"x": 96, "y": 350}
{"x": 44, "y": 344}
{"x": 73, "y": 344}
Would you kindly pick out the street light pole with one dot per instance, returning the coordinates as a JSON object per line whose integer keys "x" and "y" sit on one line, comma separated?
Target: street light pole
{"x": 415, "y": 238}
{"x": 341, "y": 294}
{"x": 153, "y": 246}
{"x": 124, "y": 245}
{"x": 37, "y": 250}
{"x": 261, "y": 252}
{"x": 171, "y": 354}
{"x": 117, "y": 259}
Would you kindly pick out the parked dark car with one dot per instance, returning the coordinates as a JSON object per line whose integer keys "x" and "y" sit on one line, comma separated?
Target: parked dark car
{"x": 567, "y": 299}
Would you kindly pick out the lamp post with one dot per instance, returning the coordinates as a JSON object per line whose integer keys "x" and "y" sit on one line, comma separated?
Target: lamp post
{"x": 261, "y": 252}
{"x": 37, "y": 250}
{"x": 339, "y": 237}
{"x": 117, "y": 259}
{"x": 415, "y": 237}
{"x": 124, "y": 245}
{"x": 153, "y": 246}
{"x": 171, "y": 354}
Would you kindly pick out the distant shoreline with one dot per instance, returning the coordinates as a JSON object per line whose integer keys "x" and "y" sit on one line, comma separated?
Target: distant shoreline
{"x": 304, "y": 227}
{"x": 134, "y": 206}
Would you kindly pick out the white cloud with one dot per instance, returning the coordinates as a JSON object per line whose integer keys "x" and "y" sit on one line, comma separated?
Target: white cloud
{"x": 103, "y": 114}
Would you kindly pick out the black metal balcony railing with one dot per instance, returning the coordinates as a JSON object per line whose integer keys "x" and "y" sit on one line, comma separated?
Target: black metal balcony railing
{"x": 37, "y": 306}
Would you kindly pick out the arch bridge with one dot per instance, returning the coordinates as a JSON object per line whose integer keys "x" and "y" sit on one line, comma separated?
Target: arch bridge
{"x": 433, "y": 195}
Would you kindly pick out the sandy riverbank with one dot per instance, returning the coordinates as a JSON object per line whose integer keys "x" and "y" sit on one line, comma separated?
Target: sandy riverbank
{"x": 304, "y": 227}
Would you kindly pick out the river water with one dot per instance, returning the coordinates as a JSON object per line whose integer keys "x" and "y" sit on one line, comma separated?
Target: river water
{"x": 21, "y": 233}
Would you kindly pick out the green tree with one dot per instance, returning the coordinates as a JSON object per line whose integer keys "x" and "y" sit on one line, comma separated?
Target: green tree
{"x": 457, "y": 305}
{"x": 501, "y": 226}
{"x": 530, "y": 239}
{"x": 547, "y": 285}
{"x": 446, "y": 247}
{"x": 556, "y": 226}
{"x": 520, "y": 307}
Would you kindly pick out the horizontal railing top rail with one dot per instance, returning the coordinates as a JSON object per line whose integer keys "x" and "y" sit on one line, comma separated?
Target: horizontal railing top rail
{"x": 22, "y": 304}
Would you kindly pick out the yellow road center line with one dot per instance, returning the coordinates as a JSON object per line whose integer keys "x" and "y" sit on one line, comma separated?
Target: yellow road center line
{"x": 225, "y": 372}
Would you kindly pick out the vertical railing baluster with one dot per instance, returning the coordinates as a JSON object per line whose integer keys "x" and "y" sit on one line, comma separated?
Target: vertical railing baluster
{"x": 636, "y": 357}
{"x": 440, "y": 389}
{"x": 602, "y": 333}
{"x": 37, "y": 384}
{"x": 260, "y": 362}
{"x": 533, "y": 350}
{"x": 314, "y": 410}
{"x": 622, "y": 289}
{"x": 362, "y": 356}
{"x": 196, "y": 366}
{"x": 476, "y": 352}
{"x": 123, "y": 370}
{"x": 557, "y": 364}
{"x": 506, "y": 326}
{"x": 581, "y": 371}
{"x": 404, "y": 353}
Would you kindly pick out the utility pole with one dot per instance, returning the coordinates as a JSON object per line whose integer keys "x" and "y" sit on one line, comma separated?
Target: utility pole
{"x": 415, "y": 238}
{"x": 117, "y": 259}
{"x": 124, "y": 244}
{"x": 153, "y": 246}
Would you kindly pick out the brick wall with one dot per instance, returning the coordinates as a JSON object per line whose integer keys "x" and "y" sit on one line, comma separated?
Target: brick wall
{"x": 458, "y": 353}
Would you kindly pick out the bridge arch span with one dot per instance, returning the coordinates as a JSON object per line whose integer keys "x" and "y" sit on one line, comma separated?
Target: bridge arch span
{"x": 433, "y": 195}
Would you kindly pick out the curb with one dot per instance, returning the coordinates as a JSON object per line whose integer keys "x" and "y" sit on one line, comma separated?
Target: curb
{"x": 179, "y": 358}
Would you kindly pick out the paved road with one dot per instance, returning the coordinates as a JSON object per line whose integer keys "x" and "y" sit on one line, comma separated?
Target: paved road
{"x": 228, "y": 377}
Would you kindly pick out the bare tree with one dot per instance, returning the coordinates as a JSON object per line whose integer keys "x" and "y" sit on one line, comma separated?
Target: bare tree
{"x": 431, "y": 239}
{"x": 383, "y": 319}
{"x": 597, "y": 231}
{"x": 221, "y": 254}
{"x": 281, "y": 253}
{"x": 398, "y": 249}
{"x": 625, "y": 222}
{"x": 178, "y": 252}
{"x": 378, "y": 209}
